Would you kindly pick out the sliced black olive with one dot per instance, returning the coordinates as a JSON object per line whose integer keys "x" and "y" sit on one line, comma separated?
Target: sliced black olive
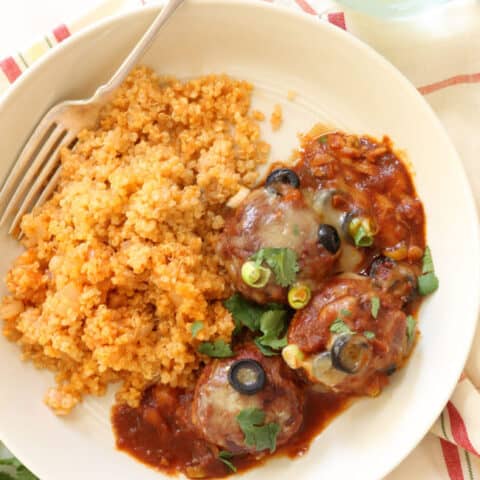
{"x": 246, "y": 376}
{"x": 284, "y": 176}
{"x": 351, "y": 353}
{"x": 347, "y": 218}
{"x": 390, "y": 370}
{"x": 321, "y": 364}
{"x": 328, "y": 237}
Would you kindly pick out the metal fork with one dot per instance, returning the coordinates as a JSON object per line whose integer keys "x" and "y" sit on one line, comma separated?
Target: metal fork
{"x": 36, "y": 171}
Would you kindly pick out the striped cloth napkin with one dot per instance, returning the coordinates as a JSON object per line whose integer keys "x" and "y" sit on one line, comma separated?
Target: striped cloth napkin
{"x": 439, "y": 52}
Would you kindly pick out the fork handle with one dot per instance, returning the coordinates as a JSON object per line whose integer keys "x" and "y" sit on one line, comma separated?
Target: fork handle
{"x": 104, "y": 91}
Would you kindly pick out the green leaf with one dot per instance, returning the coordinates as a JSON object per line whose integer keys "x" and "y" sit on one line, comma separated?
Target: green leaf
{"x": 427, "y": 261}
{"x": 375, "y": 306}
{"x": 345, "y": 312}
{"x": 225, "y": 457}
{"x": 12, "y": 462}
{"x": 323, "y": 139}
{"x": 411, "y": 327}
{"x": 257, "y": 435}
{"x": 296, "y": 230}
{"x": 244, "y": 313}
{"x": 369, "y": 335}
{"x": 217, "y": 349}
{"x": 22, "y": 472}
{"x": 427, "y": 283}
{"x": 267, "y": 351}
{"x": 6, "y": 476}
{"x": 196, "y": 327}
{"x": 272, "y": 325}
{"x": 282, "y": 261}
{"x": 340, "y": 327}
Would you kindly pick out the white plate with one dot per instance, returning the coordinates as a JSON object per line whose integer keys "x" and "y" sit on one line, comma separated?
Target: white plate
{"x": 339, "y": 80}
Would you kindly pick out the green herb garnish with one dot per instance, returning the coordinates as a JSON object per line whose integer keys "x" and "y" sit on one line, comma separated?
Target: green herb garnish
{"x": 282, "y": 261}
{"x": 257, "y": 434}
{"x": 340, "y": 327}
{"x": 296, "y": 230}
{"x": 272, "y": 325}
{"x": 254, "y": 275}
{"x": 369, "y": 335}
{"x": 361, "y": 231}
{"x": 362, "y": 238}
{"x": 411, "y": 326}
{"x": 225, "y": 457}
{"x": 196, "y": 327}
{"x": 244, "y": 313}
{"x": 375, "y": 301}
{"x": 428, "y": 282}
{"x": 427, "y": 261}
{"x": 299, "y": 295}
{"x": 217, "y": 349}
{"x": 323, "y": 139}
{"x": 21, "y": 471}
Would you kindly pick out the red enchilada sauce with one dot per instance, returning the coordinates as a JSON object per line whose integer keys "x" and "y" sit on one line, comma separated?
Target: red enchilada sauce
{"x": 374, "y": 182}
{"x": 159, "y": 434}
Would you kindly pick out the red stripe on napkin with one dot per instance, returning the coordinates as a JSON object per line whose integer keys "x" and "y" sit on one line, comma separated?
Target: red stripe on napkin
{"x": 459, "y": 430}
{"x": 338, "y": 19}
{"x": 61, "y": 33}
{"x": 305, "y": 6}
{"x": 452, "y": 460}
{"x": 10, "y": 68}
{"x": 458, "y": 79}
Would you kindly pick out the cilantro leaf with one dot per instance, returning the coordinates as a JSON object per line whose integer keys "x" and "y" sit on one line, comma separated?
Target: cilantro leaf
{"x": 272, "y": 325}
{"x": 196, "y": 327}
{"x": 22, "y": 472}
{"x": 427, "y": 261}
{"x": 216, "y": 349}
{"x": 428, "y": 282}
{"x": 375, "y": 306}
{"x": 225, "y": 457}
{"x": 260, "y": 436}
{"x": 267, "y": 351}
{"x": 282, "y": 261}
{"x": 369, "y": 335}
{"x": 411, "y": 327}
{"x": 340, "y": 327}
{"x": 244, "y": 313}
{"x": 6, "y": 476}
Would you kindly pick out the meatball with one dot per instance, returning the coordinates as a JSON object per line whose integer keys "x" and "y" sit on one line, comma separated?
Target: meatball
{"x": 217, "y": 403}
{"x": 350, "y": 337}
{"x": 280, "y": 218}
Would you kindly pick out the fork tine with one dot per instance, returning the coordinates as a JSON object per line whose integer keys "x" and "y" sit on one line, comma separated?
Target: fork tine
{"x": 50, "y": 144}
{"x": 41, "y": 133}
{"x": 47, "y": 191}
{"x": 39, "y": 188}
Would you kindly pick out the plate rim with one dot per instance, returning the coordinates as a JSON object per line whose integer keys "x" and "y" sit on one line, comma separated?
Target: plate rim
{"x": 296, "y": 16}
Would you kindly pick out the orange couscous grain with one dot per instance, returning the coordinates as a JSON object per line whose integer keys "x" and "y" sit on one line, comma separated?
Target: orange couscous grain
{"x": 121, "y": 260}
{"x": 276, "y": 118}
